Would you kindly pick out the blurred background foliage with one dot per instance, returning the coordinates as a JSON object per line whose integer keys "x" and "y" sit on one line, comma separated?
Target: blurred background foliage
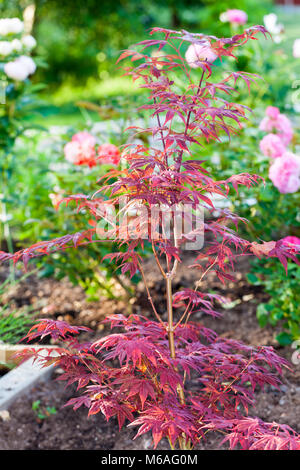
{"x": 81, "y": 40}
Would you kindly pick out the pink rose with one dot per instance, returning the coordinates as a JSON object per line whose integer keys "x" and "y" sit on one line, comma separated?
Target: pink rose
{"x": 272, "y": 146}
{"x": 275, "y": 121}
{"x": 291, "y": 239}
{"x": 285, "y": 173}
{"x": 197, "y": 53}
{"x": 109, "y": 153}
{"x": 84, "y": 137}
{"x": 81, "y": 149}
{"x": 72, "y": 152}
{"x": 235, "y": 17}
{"x": 272, "y": 112}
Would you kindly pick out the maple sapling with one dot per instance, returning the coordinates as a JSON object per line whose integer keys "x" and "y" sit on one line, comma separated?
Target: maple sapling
{"x": 142, "y": 374}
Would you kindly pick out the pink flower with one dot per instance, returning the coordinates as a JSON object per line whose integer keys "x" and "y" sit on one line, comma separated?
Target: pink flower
{"x": 291, "y": 239}
{"x": 197, "y": 53}
{"x": 272, "y": 112}
{"x": 275, "y": 121}
{"x": 235, "y": 17}
{"x": 81, "y": 149}
{"x": 109, "y": 153}
{"x": 84, "y": 138}
{"x": 272, "y": 146}
{"x": 285, "y": 173}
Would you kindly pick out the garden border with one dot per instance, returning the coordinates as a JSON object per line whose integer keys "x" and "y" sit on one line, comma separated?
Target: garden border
{"x": 22, "y": 377}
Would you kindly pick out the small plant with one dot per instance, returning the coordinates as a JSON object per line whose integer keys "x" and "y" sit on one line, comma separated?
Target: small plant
{"x": 141, "y": 373}
{"x": 13, "y": 324}
{"x": 43, "y": 412}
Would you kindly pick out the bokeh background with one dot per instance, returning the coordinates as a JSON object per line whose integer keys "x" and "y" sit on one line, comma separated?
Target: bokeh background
{"x": 80, "y": 41}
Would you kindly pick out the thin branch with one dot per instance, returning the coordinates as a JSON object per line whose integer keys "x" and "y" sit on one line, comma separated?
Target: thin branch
{"x": 149, "y": 295}
{"x": 178, "y": 165}
{"x": 204, "y": 274}
{"x": 158, "y": 262}
{"x": 183, "y": 315}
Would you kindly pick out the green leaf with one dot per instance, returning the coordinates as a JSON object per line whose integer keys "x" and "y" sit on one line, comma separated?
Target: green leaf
{"x": 252, "y": 278}
{"x": 284, "y": 338}
{"x": 262, "y": 315}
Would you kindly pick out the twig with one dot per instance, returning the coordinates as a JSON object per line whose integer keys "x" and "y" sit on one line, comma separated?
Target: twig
{"x": 149, "y": 295}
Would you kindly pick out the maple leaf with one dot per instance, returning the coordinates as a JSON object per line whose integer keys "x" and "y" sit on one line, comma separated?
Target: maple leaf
{"x": 54, "y": 328}
{"x": 137, "y": 386}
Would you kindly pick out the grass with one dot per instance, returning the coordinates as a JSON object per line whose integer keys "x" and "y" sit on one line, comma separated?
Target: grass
{"x": 13, "y": 324}
{"x": 64, "y": 111}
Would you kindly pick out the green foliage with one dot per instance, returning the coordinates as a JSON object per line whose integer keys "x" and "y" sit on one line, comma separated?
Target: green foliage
{"x": 13, "y": 324}
{"x": 80, "y": 40}
{"x": 283, "y": 307}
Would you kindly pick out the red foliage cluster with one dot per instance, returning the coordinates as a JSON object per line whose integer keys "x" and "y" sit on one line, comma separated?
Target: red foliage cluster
{"x": 131, "y": 375}
{"x": 142, "y": 375}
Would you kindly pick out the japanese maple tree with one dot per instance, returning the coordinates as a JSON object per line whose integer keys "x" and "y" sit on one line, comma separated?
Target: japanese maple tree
{"x": 141, "y": 374}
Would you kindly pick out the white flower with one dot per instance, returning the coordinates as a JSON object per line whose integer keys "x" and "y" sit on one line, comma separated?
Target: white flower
{"x": 276, "y": 29}
{"x": 5, "y": 48}
{"x": 296, "y": 48}
{"x": 28, "y": 41}
{"x": 20, "y": 68}
{"x": 16, "y": 26}
{"x": 224, "y": 17}
{"x": 28, "y": 63}
{"x": 15, "y": 70}
{"x": 11, "y": 26}
{"x": 5, "y": 217}
{"x": 16, "y": 45}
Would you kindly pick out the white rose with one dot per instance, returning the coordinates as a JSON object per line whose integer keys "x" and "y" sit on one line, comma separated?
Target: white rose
{"x": 28, "y": 63}
{"x": 5, "y": 48}
{"x": 28, "y": 41}
{"x": 296, "y": 48}
{"x": 20, "y": 68}
{"x": 16, "y": 45}
{"x": 15, "y": 70}
{"x": 16, "y": 26}
{"x": 10, "y": 26}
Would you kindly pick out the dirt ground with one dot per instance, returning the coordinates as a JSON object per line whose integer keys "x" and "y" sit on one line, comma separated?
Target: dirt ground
{"x": 66, "y": 429}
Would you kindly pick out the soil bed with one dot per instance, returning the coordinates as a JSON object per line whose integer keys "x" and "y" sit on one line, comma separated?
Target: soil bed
{"x": 66, "y": 429}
